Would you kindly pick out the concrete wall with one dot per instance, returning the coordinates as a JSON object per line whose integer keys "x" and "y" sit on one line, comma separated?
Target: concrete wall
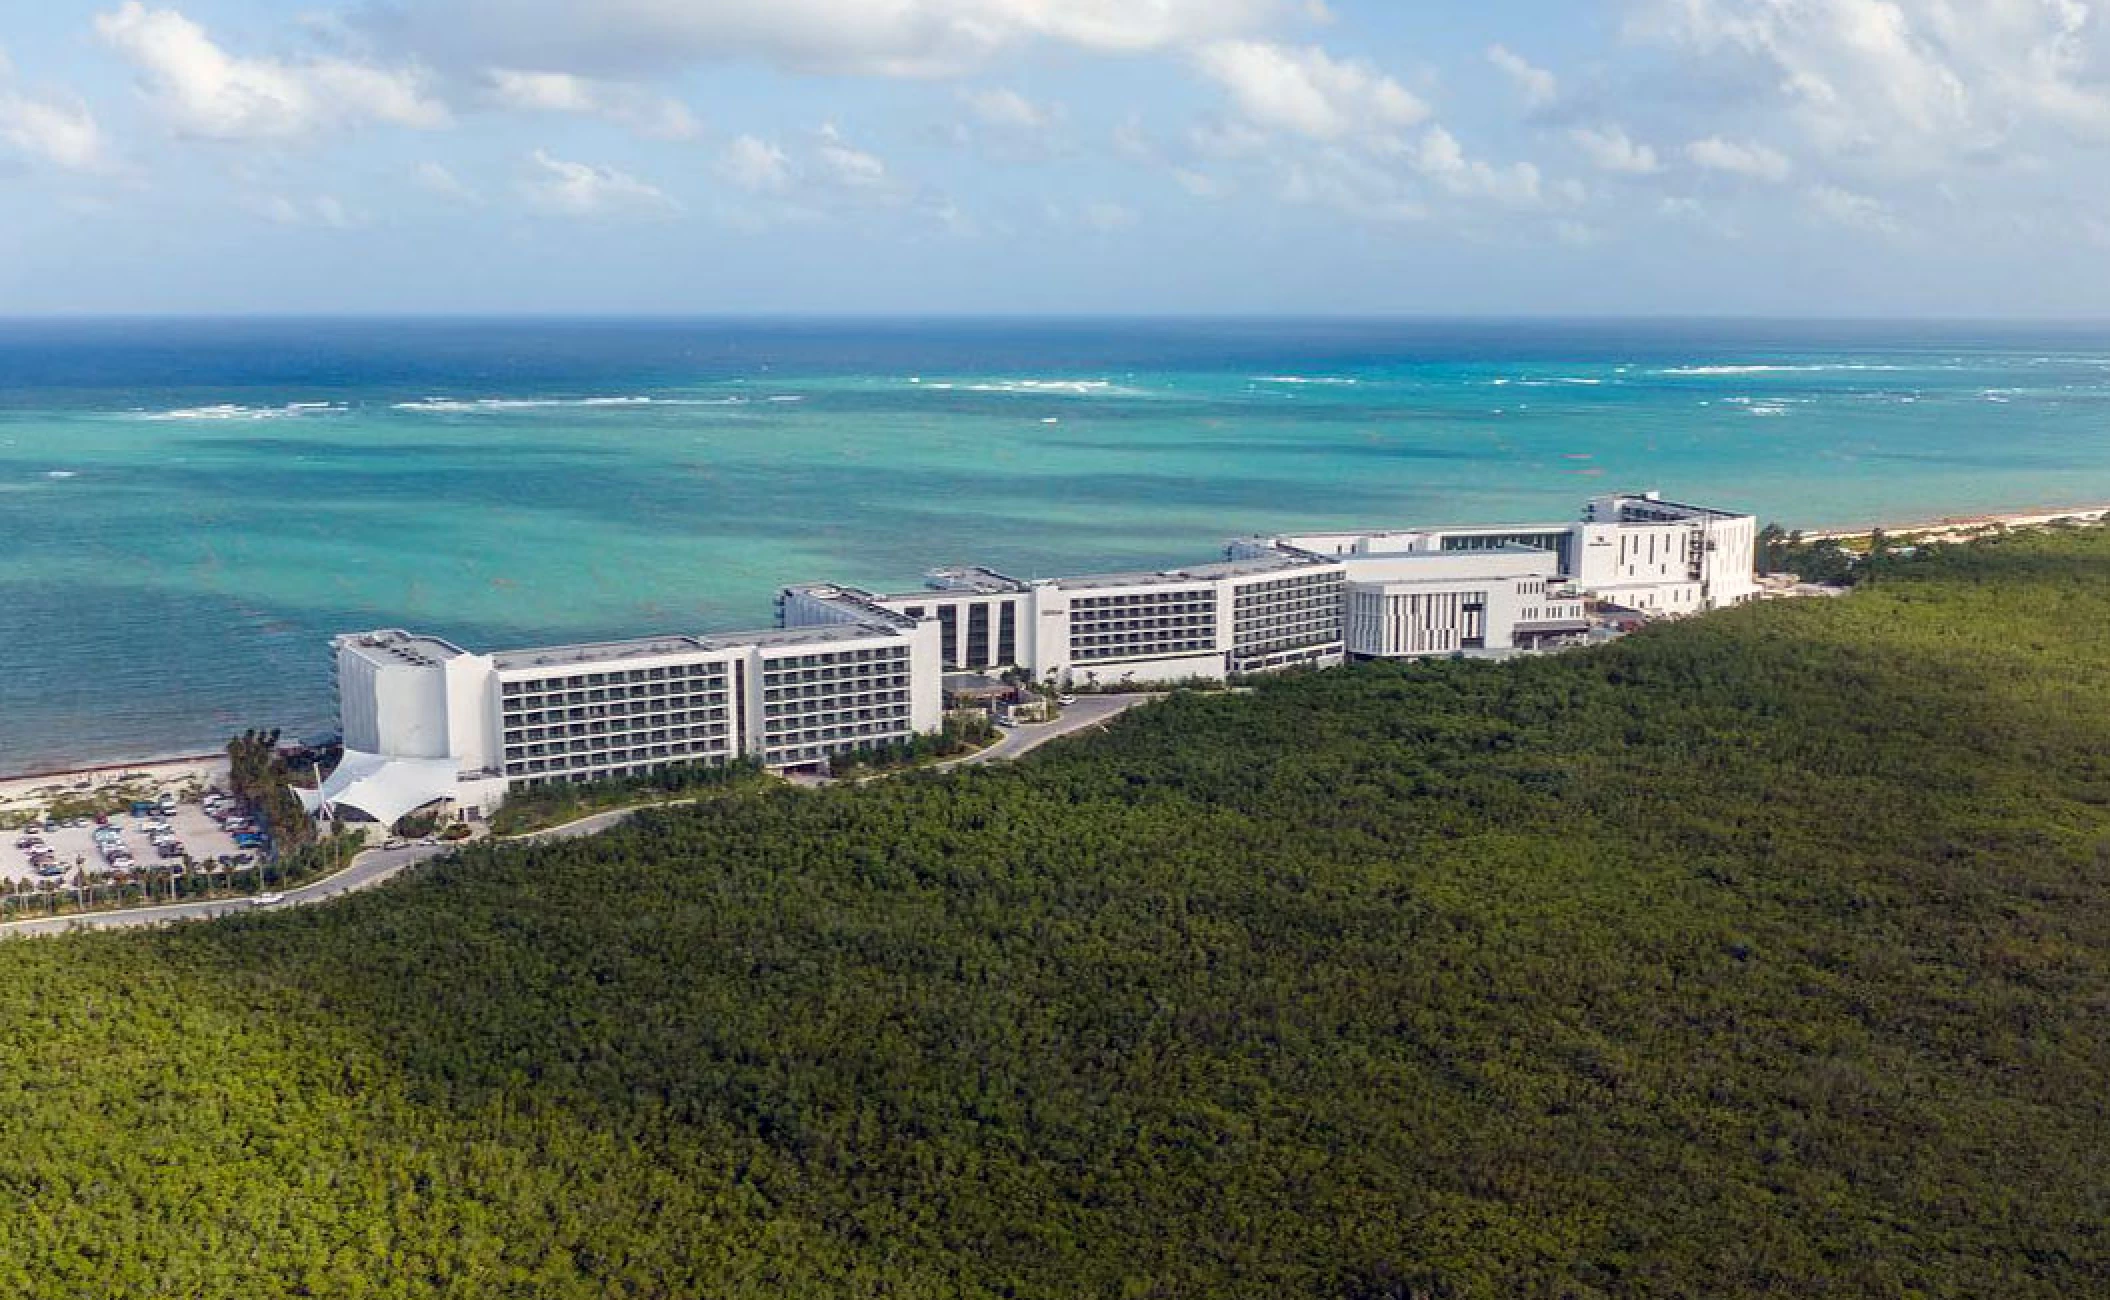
{"x": 400, "y": 710}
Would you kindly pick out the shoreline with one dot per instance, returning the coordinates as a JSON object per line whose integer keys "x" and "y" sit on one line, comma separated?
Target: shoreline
{"x": 38, "y": 789}
{"x": 176, "y": 768}
{"x": 97, "y": 769}
{"x": 2035, "y": 517}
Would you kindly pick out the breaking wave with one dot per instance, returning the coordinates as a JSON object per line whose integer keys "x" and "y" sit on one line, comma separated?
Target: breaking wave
{"x": 236, "y": 411}
{"x": 1033, "y": 387}
{"x": 485, "y": 405}
{"x": 1814, "y": 368}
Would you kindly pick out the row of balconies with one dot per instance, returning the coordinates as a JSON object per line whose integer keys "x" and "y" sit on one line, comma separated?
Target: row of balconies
{"x": 864, "y": 672}
{"x": 642, "y": 691}
{"x": 520, "y": 735}
{"x": 689, "y": 737}
{"x": 603, "y": 762}
{"x": 580, "y": 681}
{"x": 593, "y": 713}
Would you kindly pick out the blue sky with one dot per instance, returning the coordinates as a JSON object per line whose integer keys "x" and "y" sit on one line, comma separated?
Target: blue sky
{"x": 1825, "y": 157}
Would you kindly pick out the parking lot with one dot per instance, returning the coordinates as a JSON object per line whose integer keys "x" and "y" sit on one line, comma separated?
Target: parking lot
{"x": 73, "y": 845}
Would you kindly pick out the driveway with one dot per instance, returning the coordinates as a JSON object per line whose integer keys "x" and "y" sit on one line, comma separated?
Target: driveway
{"x": 373, "y": 866}
{"x": 1089, "y": 711}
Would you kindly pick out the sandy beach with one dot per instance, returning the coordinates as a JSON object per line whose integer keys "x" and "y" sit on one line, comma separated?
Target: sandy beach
{"x": 19, "y": 792}
{"x": 172, "y": 775}
{"x": 1952, "y": 528}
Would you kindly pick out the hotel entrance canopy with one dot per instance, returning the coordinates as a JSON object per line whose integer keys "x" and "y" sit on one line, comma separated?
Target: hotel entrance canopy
{"x": 383, "y": 788}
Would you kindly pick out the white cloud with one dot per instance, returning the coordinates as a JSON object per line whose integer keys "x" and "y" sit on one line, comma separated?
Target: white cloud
{"x": 1855, "y": 211}
{"x": 1351, "y": 184}
{"x": 1683, "y": 208}
{"x": 1226, "y": 139}
{"x": 1538, "y": 86}
{"x": 1610, "y": 149}
{"x": 1910, "y": 84}
{"x": 64, "y": 134}
{"x": 331, "y": 212}
{"x": 649, "y": 114}
{"x": 1008, "y": 109}
{"x": 547, "y": 92}
{"x": 202, "y": 90}
{"x": 436, "y": 179}
{"x": 575, "y": 189}
{"x": 914, "y": 38}
{"x": 322, "y": 210}
{"x": 1200, "y": 185}
{"x": 847, "y": 166}
{"x": 1753, "y": 160}
{"x": 755, "y": 165}
{"x": 1305, "y": 91}
{"x": 1106, "y": 218}
{"x": 1133, "y": 141}
{"x": 1439, "y": 156}
{"x": 817, "y": 177}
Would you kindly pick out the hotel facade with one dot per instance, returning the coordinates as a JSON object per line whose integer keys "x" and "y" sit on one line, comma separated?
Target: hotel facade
{"x": 847, "y": 669}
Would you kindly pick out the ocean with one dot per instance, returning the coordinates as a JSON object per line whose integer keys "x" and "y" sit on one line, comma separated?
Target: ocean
{"x": 190, "y": 509}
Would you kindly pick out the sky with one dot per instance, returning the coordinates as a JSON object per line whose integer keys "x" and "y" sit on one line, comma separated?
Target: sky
{"x": 1511, "y": 157}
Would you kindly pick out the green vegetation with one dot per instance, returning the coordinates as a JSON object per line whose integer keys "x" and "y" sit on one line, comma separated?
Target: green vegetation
{"x": 544, "y": 806}
{"x": 257, "y": 772}
{"x": 1759, "y": 955}
{"x": 67, "y": 802}
{"x": 417, "y": 825}
{"x": 160, "y": 881}
{"x": 963, "y": 732}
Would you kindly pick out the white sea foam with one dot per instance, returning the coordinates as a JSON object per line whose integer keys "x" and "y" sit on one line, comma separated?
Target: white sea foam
{"x": 61, "y": 473}
{"x": 1841, "y": 366}
{"x": 482, "y": 405}
{"x": 1044, "y": 387}
{"x": 236, "y": 411}
{"x": 788, "y": 397}
{"x": 1329, "y": 380}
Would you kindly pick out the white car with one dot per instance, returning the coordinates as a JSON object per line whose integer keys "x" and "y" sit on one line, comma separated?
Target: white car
{"x": 265, "y": 900}
{"x": 1065, "y": 699}
{"x": 395, "y": 844}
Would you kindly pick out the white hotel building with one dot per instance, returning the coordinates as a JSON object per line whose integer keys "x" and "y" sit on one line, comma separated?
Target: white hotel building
{"x": 1253, "y": 614}
{"x": 846, "y": 669}
{"x": 424, "y": 719}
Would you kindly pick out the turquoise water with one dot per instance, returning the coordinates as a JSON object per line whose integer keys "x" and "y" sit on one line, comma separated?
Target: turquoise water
{"x": 188, "y": 510}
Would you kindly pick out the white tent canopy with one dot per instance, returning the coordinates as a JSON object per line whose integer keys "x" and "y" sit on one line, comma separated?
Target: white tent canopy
{"x": 384, "y": 788}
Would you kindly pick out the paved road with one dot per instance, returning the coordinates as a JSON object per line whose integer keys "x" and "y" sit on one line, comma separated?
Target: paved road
{"x": 367, "y": 870}
{"x": 1088, "y": 711}
{"x": 376, "y": 865}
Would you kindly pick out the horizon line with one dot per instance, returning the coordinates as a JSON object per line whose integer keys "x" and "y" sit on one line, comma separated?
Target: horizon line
{"x": 1135, "y": 317}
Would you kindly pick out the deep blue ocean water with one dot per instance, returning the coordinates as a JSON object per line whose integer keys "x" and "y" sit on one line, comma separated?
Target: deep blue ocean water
{"x": 188, "y": 510}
